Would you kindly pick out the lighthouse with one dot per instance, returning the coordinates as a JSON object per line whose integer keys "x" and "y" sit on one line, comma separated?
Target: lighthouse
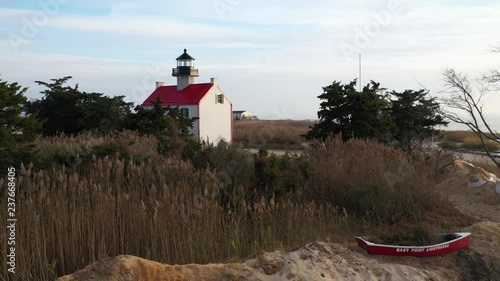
{"x": 206, "y": 102}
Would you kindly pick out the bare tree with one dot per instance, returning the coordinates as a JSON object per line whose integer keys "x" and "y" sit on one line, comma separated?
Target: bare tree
{"x": 492, "y": 77}
{"x": 464, "y": 105}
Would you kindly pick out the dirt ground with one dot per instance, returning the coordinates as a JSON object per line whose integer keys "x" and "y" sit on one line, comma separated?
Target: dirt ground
{"x": 326, "y": 261}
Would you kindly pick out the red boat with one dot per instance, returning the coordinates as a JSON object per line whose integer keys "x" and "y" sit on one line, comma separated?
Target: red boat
{"x": 452, "y": 242}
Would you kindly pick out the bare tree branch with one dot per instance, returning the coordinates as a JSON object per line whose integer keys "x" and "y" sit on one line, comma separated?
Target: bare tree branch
{"x": 461, "y": 98}
{"x": 492, "y": 77}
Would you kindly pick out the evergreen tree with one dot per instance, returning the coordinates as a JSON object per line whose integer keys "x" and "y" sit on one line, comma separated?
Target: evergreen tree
{"x": 415, "y": 115}
{"x": 352, "y": 113}
{"x": 66, "y": 109}
{"x": 18, "y": 129}
{"x": 168, "y": 125}
{"x": 405, "y": 119}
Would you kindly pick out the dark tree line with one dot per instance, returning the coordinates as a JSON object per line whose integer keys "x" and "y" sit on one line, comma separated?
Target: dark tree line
{"x": 65, "y": 109}
{"x": 404, "y": 119}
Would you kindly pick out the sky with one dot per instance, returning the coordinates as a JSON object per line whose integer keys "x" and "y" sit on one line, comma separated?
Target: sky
{"x": 272, "y": 58}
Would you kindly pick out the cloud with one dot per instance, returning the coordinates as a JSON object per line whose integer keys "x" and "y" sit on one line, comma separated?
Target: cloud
{"x": 8, "y": 14}
{"x": 269, "y": 55}
{"x": 141, "y": 27}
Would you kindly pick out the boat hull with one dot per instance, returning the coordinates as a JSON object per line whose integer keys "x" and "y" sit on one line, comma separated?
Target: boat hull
{"x": 462, "y": 241}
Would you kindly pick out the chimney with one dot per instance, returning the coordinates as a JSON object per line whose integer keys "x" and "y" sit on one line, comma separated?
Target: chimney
{"x": 159, "y": 84}
{"x": 214, "y": 81}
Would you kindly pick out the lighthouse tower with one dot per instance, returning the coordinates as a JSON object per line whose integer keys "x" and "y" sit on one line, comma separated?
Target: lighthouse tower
{"x": 185, "y": 71}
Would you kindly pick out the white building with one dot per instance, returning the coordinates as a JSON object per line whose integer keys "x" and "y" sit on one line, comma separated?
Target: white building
{"x": 243, "y": 115}
{"x": 207, "y": 101}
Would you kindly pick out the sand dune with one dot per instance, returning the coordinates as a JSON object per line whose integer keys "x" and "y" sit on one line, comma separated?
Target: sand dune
{"x": 317, "y": 261}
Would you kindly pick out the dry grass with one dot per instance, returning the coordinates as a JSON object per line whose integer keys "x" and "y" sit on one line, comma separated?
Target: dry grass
{"x": 132, "y": 142}
{"x": 163, "y": 209}
{"x": 375, "y": 180}
{"x": 469, "y": 140}
{"x": 271, "y": 134}
{"x": 460, "y": 136}
{"x": 162, "y": 212}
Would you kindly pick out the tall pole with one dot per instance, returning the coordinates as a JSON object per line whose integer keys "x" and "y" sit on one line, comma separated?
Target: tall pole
{"x": 359, "y": 72}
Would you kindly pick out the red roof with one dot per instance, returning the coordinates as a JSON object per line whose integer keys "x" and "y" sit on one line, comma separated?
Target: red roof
{"x": 169, "y": 95}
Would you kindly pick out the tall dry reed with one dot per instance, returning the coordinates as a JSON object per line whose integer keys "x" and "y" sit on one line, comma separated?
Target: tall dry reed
{"x": 161, "y": 210}
{"x": 165, "y": 210}
{"x": 373, "y": 180}
{"x": 271, "y": 134}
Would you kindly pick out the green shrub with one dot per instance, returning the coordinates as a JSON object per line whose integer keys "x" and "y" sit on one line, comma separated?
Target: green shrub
{"x": 280, "y": 175}
{"x": 418, "y": 236}
{"x": 231, "y": 162}
{"x": 266, "y": 174}
{"x": 58, "y": 156}
{"x": 370, "y": 200}
{"x": 379, "y": 203}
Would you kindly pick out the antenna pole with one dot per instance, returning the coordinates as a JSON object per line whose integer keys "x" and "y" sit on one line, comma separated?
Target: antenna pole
{"x": 359, "y": 72}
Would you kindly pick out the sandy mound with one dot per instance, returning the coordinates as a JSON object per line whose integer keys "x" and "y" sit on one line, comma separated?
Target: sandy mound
{"x": 123, "y": 268}
{"x": 475, "y": 174}
{"x": 481, "y": 201}
{"x": 322, "y": 261}
{"x": 316, "y": 261}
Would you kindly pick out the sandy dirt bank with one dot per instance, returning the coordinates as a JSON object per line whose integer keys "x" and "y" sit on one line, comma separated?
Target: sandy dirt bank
{"x": 318, "y": 261}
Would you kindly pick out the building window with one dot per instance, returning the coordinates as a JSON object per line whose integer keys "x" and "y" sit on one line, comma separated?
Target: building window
{"x": 185, "y": 112}
{"x": 219, "y": 98}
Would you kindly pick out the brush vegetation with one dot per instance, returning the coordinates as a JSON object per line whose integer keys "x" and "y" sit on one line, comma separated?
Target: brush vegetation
{"x": 85, "y": 197}
{"x": 468, "y": 140}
